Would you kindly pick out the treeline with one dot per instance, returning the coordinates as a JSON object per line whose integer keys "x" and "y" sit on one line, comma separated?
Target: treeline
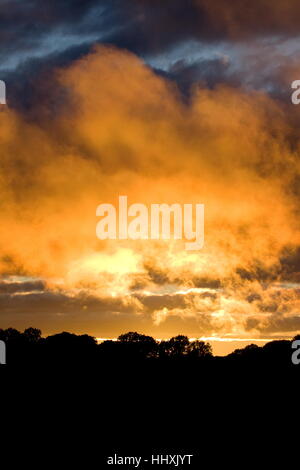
{"x": 30, "y": 347}
{"x": 71, "y": 347}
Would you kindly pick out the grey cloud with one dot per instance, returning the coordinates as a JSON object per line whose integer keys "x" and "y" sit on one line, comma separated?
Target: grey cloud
{"x": 27, "y": 286}
{"x": 54, "y": 302}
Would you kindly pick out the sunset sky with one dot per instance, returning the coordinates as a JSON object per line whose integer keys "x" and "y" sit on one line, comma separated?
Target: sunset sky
{"x": 165, "y": 101}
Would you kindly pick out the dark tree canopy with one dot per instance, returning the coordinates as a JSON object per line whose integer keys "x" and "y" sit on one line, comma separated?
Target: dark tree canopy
{"x": 133, "y": 347}
{"x": 134, "y": 337}
{"x": 199, "y": 349}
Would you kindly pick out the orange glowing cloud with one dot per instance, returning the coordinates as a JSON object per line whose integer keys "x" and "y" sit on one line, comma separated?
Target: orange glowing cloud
{"x": 124, "y": 130}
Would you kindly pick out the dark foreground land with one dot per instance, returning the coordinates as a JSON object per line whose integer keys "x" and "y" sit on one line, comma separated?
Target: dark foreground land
{"x": 133, "y": 349}
{"x": 138, "y": 397}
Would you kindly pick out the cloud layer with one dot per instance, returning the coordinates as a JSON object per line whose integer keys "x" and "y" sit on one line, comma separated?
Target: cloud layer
{"x": 163, "y": 101}
{"x": 109, "y": 125}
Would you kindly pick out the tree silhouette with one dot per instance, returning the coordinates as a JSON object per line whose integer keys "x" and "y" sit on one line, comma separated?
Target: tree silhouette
{"x": 199, "y": 349}
{"x": 134, "y": 337}
{"x": 176, "y": 347}
{"x": 10, "y": 335}
{"x": 277, "y": 353}
{"x": 136, "y": 344}
{"x": 69, "y": 348}
{"x": 33, "y": 335}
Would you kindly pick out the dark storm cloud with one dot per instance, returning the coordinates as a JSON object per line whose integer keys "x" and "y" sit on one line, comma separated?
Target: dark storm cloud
{"x": 142, "y": 26}
{"x": 206, "y": 72}
{"x": 286, "y": 269}
{"x": 56, "y": 302}
{"x": 24, "y": 24}
{"x": 34, "y": 40}
{"x": 157, "y": 25}
{"x": 259, "y": 272}
{"x": 156, "y": 275}
{"x": 275, "y": 324}
{"x": 290, "y": 264}
{"x": 178, "y": 301}
{"x": 146, "y": 26}
{"x": 27, "y": 286}
{"x": 156, "y": 302}
{"x": 176, "y": 20}
{"x": 33, "y": 81}
{"x": 206, "y": 283}
{"x": 162, "y": 277}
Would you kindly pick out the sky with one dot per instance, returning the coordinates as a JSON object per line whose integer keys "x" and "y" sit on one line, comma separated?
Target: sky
{"x": 165, "y": 101}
